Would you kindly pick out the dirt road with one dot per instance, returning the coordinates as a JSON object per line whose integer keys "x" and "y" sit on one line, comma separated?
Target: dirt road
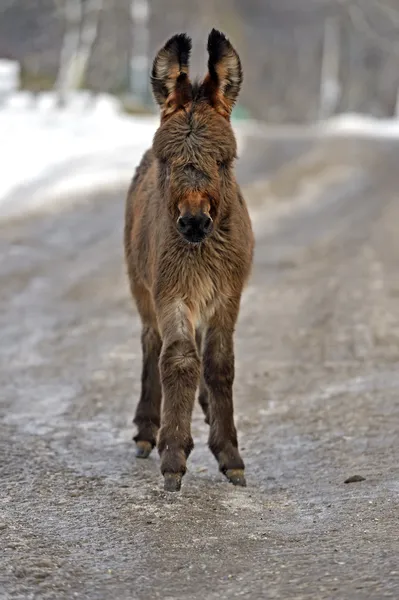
{"x": 316, "y": 399}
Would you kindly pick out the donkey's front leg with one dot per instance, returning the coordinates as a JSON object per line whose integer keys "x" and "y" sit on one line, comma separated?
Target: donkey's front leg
{"x": 218, "y": 364}
{"x": 180, "y": 372}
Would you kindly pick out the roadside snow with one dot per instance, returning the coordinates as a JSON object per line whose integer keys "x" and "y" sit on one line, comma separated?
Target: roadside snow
{"x": 48, "y": 156}
{"x": 361, "y": 125}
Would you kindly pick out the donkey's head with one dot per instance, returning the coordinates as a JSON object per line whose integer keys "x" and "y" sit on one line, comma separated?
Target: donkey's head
{"x": 195, "y": 144}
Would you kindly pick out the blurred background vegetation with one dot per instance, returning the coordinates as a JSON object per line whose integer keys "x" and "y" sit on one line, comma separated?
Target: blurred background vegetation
{"x": 303, "y": 59}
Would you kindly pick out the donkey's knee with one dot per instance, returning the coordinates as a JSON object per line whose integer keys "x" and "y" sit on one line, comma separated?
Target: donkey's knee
{"x": 180, "y": 364}
{"x": 218, "y": 369}
{"x": 219, "y": 377}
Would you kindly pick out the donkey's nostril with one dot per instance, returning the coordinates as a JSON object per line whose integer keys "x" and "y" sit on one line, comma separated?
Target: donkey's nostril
{"x": 183, "y": 224}
{"x": 206, "y": 224}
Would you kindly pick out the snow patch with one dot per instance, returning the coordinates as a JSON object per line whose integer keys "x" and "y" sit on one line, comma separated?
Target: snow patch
{"x": 361, "y": 125}
{"x": 51, "y": 155}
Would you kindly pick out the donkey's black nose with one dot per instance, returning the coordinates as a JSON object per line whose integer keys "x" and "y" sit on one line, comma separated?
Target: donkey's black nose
{"x": 194, "y": 228}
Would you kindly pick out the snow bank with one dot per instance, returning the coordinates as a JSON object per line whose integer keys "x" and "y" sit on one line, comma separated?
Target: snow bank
{"x": 9, "y": 77}
{"x": 361, "y": 125}
{"x": 50, "y": 155}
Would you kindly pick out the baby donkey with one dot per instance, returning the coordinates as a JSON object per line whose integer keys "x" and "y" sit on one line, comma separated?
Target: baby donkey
{"x": 188, "y": 247}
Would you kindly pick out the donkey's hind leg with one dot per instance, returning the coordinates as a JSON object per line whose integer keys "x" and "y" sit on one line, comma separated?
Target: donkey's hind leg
{"x": 203, "y": 396}
{"x": 147, "y": 417}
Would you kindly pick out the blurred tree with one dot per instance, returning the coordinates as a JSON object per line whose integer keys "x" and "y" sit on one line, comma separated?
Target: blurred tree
{"x": 330, "y": 86}
{"x": 139, "y": 59}
{"x": 81, "y": 27}
{"x": 377, "y": 23}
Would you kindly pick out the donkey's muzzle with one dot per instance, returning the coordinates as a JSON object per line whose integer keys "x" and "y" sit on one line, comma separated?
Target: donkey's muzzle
{"x": 195, "y": 228}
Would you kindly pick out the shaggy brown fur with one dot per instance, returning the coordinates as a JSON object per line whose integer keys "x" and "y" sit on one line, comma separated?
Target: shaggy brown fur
{"x": 188, "y": 247}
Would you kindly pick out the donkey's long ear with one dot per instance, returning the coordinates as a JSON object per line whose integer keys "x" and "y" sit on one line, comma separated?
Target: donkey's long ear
{"x": 223, "y": 82}
{"x": 169, "y": 78}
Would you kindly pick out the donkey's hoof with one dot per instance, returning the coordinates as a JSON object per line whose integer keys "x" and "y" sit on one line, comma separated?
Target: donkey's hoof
{"x": 172, "y": 482}
{"x": 236, "y": 477}
{"x": 143, "y": 449}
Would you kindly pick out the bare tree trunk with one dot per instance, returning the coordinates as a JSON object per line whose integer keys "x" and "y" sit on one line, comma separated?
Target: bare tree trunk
{"x": 396, "y": 115}
{"x": 82, "y": 18}
{"x": 73, "y": 20}
{"x": 139, "y": 60}
{"x": 92, "y": 11}
{"x": 330, "y": 88}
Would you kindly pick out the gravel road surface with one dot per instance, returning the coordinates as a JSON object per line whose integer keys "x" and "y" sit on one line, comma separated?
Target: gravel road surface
{"x": 316, "y": 399}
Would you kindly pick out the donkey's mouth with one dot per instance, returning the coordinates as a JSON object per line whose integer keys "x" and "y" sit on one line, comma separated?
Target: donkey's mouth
{"x": 195, "y": 242}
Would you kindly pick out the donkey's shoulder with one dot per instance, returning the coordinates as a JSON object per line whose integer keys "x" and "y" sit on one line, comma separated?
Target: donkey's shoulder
{"x": 144, "y": 165}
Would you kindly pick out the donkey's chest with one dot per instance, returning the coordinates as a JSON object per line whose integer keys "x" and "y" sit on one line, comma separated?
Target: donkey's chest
{"x": 200, "y": 289}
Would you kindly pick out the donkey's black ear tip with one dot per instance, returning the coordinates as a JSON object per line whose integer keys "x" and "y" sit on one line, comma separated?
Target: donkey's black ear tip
{"x": 216, "y": 35}
{"x": 180, "y": 42}
{"x": 216, "y": 41}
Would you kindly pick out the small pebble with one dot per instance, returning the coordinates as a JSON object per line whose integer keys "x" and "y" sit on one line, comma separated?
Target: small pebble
{"x": 355, "y": 479}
